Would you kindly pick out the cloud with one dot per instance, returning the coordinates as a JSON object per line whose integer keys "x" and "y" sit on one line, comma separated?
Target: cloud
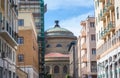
{"x": 73, "y": 23}
{"x": 67, "y": 4}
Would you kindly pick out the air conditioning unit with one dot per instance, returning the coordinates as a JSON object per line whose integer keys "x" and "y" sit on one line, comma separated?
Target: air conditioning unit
{"x": 3, "y": 55}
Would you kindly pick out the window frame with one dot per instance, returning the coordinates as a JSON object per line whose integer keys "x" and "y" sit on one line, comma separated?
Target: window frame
{"x": 56, "y": 69}
{"x": 20, "y": 40}
{"x": 20, "y": 57}
{"x": 93, "y": 38}
{"x": 117, "y": 11}
{"x": 20, "y": 22}
{"x": 58, "y": 45}
{"x": 93, "y": 51}
{"x": 92, "y": 24}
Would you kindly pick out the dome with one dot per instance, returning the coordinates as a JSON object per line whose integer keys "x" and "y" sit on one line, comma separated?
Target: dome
{"x": 58, "y": 31}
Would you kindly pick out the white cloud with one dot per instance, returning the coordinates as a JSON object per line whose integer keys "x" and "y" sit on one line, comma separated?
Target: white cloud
{"x": 58, "y": 4}
{"x": 73, "y": 23}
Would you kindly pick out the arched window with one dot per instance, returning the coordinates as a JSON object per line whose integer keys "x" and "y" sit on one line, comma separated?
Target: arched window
{"x": 47, "y": 69}
{"x": 65, "y": 69}
{"x": 58, "y": 45}
{"x": 48, "y": 46}
{"x": 56, "y": 69}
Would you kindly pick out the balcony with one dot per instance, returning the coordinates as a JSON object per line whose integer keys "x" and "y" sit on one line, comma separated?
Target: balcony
{"x": 8, "y": 34}
{"x": 83, "y": 23}
{"x": 109, "y": 45}
{"x": 84, "y": 58}
{"x": 101, "y": 16}
{"x": 108, "y": 29}
{"x": 105, "y": 10}
{"x": 102, "y": 0}
{"x": 84, "y": 71}
{"x": 110, "y": 5}
{"x": 83, "y": 34}
{"x": 83, "y": 46}
{"x": 2, "y": 5}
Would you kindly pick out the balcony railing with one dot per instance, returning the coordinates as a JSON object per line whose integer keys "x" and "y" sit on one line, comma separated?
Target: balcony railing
{"x": 83, "y": 46}
{"x": 105, "y": 10}
{"x": 83, "y": 33}
{"x": 102, "y": 0}
{"x": 108, "y": 44}
{"x": 106, "y": 31}
{"x": 84, "y": 58}
{"x": 84, "y": 70}
{"x": 102, "y": 17}
{"x": 110, "y": 5}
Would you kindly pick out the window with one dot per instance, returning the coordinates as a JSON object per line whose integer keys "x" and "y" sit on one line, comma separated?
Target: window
{"x": 0, "y": 45}
{"x": 20, "y": 58}
{"x": 56, "y": 69}
{"x": 0, "y": 17}
{"x": 92, "y": 24}
{"x": 93, "y": 66}
{"x": 117, "y": 9}
{"x": 20, "y": 40}
{"x": 65, "y": 69}
{"x": 20, "y": 22}
{"x": 93, "y": 51}
{"x": 93, "y": 37}
{"x": 1, "y": 74}
{"x": 48, "y": 46}
{"x": 58, "y": 45}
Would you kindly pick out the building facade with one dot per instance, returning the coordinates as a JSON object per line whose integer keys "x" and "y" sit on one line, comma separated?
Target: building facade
{"x": 34, "y": 7}
{"x": 8, "y": 38}
{"x": 108, "y": 38}
{"x": 57, "y": 56}
{"x": 73, "y": 49}
{"x": 27, "y": 52}
{"x": 21, "y": 73}
{"x": 38, "y": 9}
{"x": 87, "y": 46}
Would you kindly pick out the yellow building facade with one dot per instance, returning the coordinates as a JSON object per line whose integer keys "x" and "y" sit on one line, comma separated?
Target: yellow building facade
{"x": 27, "y": 52}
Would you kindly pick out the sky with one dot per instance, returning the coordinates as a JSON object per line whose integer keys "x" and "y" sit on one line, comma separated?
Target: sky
{"x": 69, "y": 13}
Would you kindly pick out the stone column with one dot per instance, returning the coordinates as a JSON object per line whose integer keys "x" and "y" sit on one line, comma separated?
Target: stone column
{"x": 109, "y": 70}
{"x": 110, "y": 16}
{"x": 113, "y": 70}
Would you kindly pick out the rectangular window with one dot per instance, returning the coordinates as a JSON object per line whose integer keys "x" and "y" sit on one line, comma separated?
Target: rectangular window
{"x": 0, "y": 17}
{"x": 20, "y": 22}
{"x": 93, "y": 66}
{"x": 20, "y": 40}
{"x": 0, "y": 45}
{"x": 20, "y": 58}
{"x": 1, "y": 70}
{"x": 92, "y": 24}
{"x": 117, "y": 9}
{"x": 93, "y": 51}
{"x": 93, "y": 37}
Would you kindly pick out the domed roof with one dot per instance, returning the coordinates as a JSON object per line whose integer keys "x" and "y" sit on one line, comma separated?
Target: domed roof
{"x": 58, "y": 31}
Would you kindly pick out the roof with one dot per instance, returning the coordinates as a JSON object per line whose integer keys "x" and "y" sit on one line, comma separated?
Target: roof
{"x": 58, "y": 31}
{"x": 55, "y": 29}
{"x": 56, "y": 55}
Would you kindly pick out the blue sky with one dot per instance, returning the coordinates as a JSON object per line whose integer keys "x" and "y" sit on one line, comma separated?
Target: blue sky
{"x": 68, "y": 12}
